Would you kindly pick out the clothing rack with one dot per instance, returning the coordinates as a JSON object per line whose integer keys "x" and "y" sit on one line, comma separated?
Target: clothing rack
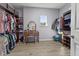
{"x": 11, "y": 13}
{"x": 8, "y": 9}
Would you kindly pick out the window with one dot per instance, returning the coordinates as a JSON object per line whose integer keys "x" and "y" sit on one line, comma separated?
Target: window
{"x": 43, "y": 20}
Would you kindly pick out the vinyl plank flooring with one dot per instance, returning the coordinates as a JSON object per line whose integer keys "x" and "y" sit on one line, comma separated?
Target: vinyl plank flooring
{"x": 43, "y": 48}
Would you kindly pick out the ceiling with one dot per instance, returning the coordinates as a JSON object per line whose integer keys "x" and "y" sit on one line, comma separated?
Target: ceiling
{"x": 39, "y": 5}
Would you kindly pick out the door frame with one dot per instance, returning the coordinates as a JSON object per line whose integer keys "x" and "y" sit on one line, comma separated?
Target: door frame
{"x": 74, "y": 29}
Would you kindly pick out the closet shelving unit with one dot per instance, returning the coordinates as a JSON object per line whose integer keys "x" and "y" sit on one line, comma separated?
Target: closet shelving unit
{"x": 66, "y": 29}
{"x": 7, "y": 8}
{"x": 20, "y": 28}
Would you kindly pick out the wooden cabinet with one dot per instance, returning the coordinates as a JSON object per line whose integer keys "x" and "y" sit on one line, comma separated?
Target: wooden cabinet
{"x": 66, "y": 41}
{"x": 31, "y": 36}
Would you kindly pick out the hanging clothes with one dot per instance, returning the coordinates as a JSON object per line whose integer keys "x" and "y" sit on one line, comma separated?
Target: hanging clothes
{"x": 11, "y": 43}
{"x": 9, "y": 23}
{"x": 5, "y": 23}
{"x": 12, "y": 23}
{"x": 15, "y": 23}
{"x": 3, "y": 45}
{"x": 7, "y": 38}
{"x": 1, "y": 22}
{"x": 54, "y": 24}
{"x": 11, "y": 40}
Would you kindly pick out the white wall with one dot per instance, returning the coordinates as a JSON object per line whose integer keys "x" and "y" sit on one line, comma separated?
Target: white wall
{"x": 20, "y": 11}
{"x": 64, "y": 9}
{"x": 30, "y": 14}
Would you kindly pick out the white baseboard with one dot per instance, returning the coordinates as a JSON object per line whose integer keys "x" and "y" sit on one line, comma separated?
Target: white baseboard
{"x": 45, "y": 39}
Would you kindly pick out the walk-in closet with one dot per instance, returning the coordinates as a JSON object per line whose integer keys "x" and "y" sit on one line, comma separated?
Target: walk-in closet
{"x": 35, "y": 29}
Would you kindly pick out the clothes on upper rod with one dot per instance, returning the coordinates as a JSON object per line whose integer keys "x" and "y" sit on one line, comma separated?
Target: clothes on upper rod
{"x": 1, "y": 22}
{"x": 7, "y": 22}
{"x": 12, "y": 23}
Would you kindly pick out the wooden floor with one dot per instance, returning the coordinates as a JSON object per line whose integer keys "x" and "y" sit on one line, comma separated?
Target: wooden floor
{"x": 43, "y": 48}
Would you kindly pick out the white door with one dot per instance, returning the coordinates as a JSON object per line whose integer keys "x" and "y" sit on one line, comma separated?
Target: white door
{"x": 75, "y": 29}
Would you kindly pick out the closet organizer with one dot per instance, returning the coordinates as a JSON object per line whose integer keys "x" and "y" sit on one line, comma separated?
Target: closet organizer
{"x": 8, "y": 35}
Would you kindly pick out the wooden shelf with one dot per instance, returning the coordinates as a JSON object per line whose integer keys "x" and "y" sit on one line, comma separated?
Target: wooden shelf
{"x": 66, "y": 41}
{"x": 66, "y": 29}
{"x": 20, "y": 29}
{"x": 8, "y": 9}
